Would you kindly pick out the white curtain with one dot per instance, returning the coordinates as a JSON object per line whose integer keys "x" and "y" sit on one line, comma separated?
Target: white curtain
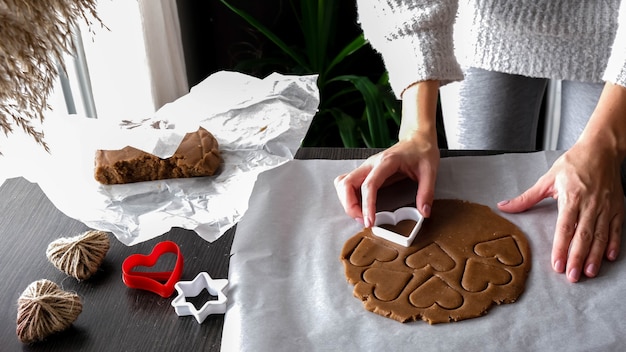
{"x": 164, "y": 50}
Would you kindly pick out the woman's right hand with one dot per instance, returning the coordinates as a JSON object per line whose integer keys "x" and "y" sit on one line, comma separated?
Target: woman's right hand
{"x": 416, "y": 155}
{"x": 416, "y": 158}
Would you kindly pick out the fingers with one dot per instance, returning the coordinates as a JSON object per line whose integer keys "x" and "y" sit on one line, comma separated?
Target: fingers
{"x": 586, "y": 231}
{"x": 583, "y": 237}
{"x": 426, "y": 192}
{"x": 377, "y": 176}
{"x": 587, "y": 242}
{"x": 615, "y": 236}
{"x": 358, "y": 190}
{"x": 529, "y": 198}
{"x": 348, "y": 191}
{"x": 565, "y": 228}
{"x": 598, "y": 245}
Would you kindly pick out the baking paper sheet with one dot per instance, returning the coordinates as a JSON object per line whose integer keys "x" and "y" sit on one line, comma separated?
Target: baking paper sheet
{"x": 288, "y": 291}
{"x": 259, "y": 124}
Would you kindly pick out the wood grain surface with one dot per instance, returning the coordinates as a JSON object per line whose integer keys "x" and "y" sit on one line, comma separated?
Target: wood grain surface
{"x": 114, "y": 317}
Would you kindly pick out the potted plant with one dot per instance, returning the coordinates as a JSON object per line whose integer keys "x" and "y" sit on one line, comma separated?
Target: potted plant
{"x": 358, "y": 107}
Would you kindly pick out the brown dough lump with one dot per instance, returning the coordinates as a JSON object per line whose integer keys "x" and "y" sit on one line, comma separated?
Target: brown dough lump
{"x": 197, "y": 155}
{"x": 464, "y": 259}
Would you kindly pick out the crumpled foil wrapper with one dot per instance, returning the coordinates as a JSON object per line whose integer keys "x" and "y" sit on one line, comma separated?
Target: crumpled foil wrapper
{"x": 258, "y": 123}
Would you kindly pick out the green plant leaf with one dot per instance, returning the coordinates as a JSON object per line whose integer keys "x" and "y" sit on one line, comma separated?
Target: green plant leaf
{"x": 354, "y": 111}
{"x": 376, "y": 121}
{"x": 269, "y": 34}
{"x": 343, "y": 97}
{"x": 393, "y": 108}
{"x": 348, "y": 50}
{"x": 347, "y": 128}
{"x": 366, "y": 140}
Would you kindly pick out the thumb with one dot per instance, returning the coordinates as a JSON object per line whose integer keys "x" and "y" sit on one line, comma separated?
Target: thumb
{"x": 526, "y": 200}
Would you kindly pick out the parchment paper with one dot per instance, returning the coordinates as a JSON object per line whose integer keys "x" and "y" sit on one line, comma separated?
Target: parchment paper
{"x": 288, "y": 291}
{"x": 258, "y": 123}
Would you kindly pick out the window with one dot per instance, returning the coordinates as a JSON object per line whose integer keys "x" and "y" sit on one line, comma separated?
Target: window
{"x": 108, "y": 78}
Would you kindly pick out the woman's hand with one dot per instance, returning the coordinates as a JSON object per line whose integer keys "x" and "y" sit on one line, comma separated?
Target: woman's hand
{"x": 416, "y": 155}
{"x": 586, "y": 182}
{"x": 588, "y": 189}
{"x": 416, "y": 158}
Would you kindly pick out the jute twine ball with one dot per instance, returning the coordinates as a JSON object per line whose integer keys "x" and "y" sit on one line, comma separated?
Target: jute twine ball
{"x": 79, "y": 256}
{"x": 44, "y": 309}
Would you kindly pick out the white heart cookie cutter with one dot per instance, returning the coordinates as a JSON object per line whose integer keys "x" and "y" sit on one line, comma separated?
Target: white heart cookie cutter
{"x": 192, "y": 289}
{"x": 392, "y": 218}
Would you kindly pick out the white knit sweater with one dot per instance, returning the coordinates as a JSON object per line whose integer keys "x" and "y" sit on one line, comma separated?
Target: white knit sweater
{"x": 582, "y": 40}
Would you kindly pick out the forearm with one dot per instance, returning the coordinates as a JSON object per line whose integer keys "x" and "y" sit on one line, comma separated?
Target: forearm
{"x": 606, "y": 128}
{"x": 419, "y": 109}
{"x": 414, "y": 37}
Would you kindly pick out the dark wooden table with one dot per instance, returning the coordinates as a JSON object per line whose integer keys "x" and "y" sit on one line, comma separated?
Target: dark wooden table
{"x": 114, "y": 317}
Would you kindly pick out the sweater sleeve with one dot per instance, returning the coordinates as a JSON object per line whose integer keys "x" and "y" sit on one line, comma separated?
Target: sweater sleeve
{"x": 616, "y": 68}
{"x": 414, "y": 38}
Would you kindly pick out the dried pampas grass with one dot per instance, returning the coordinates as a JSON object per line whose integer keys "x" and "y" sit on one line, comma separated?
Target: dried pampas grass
{"x": 35, "y": 35}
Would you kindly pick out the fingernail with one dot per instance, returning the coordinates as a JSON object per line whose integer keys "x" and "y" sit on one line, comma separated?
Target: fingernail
{"x": 359, "y": 220}
{"x": 573, "y": 275}
{"x": 591, "y": 270}
{"x": 612, "y": 254}
{"x": 426, "y": 210}
{"x": 504, "y": 202}
{"x": 558, "y": 266}
{"x": 367, "y": 222}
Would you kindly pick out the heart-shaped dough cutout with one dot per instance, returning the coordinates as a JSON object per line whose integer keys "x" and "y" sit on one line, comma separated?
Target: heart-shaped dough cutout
{"x": 394, "y": 282}
{"x": 431, "y": 255}
{"x": 367, "y": 251}
{"x": 436, "y": 291}
{"x": 478, "y": 276}
{"x": 504, "y": 249}
{"x": 161, "y": 283}
{"x": 393, "y": 218}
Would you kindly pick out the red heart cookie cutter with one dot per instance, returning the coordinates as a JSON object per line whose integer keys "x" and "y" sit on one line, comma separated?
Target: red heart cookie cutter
{"x": 152, "y": 281}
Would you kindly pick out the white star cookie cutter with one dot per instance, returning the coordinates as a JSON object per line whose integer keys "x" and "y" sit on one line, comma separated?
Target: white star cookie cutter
{"x": 192, "y": 289}
{"x": 392, "y": 218}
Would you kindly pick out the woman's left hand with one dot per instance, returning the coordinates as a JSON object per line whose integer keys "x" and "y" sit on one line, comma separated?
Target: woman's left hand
{"x": 586, "y": 183}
